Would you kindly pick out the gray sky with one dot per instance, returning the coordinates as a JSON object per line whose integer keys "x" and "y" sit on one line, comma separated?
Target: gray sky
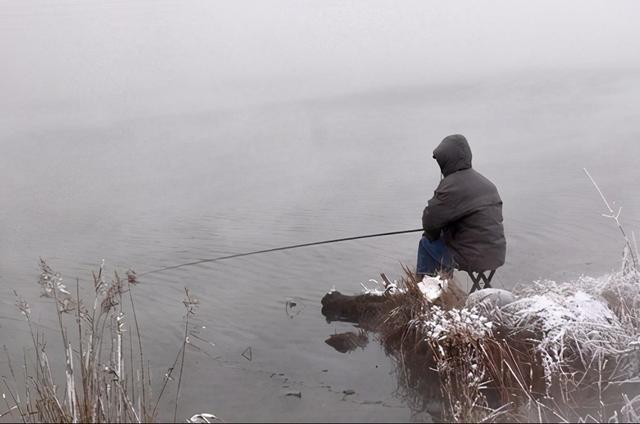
{"x": 115, "y": 53}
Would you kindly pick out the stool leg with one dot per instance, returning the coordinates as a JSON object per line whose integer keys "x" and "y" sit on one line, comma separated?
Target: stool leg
{"x": 480, "y": 276}
{"x": 476, "y": 282}
{"x": 487, "y": 280}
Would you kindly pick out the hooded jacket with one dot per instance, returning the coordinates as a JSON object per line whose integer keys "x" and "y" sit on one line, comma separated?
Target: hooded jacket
{"x": 466, "y": 210}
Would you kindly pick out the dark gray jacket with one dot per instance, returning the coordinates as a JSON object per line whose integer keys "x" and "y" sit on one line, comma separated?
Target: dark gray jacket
{"x": 466, "y": 210}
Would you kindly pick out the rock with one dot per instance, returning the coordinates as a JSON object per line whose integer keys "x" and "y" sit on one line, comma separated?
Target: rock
{"x": 203, "y": 418}
{"x": 490, "y": 298}
{"x": 295, "y": 394}
{"x": 339, "y": 307}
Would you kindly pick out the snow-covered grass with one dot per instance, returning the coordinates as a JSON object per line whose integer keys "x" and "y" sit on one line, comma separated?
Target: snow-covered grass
{"x": 583, "y": 339}
{"x": 561, "y": 351}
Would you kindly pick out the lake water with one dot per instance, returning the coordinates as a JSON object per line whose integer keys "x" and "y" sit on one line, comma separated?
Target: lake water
{"x": 182, "y": 184}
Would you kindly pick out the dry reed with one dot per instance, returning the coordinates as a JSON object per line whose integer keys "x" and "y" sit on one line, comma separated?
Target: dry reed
{"x": 102, "y": 381}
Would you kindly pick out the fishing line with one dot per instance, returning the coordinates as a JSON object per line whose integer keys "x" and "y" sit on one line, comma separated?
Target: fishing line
{"x": 275, "y": 249}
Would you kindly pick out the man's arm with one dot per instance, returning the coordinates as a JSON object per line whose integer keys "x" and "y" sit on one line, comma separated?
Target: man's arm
{"x": 445, "y": 207}
{"x": 436, "y": 215}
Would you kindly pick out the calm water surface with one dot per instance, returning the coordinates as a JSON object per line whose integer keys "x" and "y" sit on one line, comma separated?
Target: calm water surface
{"x": 147, "y": 193}
{"x": 178, "y": 184}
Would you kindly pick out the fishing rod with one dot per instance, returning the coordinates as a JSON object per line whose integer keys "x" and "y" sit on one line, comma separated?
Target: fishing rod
{"x": 275, "y": 249}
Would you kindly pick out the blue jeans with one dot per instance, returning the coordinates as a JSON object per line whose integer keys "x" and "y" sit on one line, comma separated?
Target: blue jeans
{"x": 433, "y": 257}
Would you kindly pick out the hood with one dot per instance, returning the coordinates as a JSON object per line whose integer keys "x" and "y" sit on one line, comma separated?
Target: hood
{"x": 453, "y": 154}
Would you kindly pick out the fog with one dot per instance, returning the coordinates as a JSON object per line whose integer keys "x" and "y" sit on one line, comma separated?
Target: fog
{"x": 100, "y": 59}
{"x": 157, "y": 133}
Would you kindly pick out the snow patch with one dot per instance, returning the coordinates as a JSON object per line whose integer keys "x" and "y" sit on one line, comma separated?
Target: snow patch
{"x": 432, "y": 287}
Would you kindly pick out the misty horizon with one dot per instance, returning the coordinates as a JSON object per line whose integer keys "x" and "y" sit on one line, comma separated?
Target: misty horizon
{"x": 163, "y": 57}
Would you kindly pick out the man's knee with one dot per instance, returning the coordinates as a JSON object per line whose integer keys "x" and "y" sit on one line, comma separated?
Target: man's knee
{"x": 425, "y": 242}
{"x": 435, "y": 246}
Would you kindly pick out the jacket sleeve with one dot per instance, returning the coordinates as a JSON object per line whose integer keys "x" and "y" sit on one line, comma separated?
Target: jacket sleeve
{"x": 441, "y": 210}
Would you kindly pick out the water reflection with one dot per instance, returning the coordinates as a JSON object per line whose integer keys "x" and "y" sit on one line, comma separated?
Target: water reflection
{"x": 348, "y": 341}
{"x": 418, "y": 384}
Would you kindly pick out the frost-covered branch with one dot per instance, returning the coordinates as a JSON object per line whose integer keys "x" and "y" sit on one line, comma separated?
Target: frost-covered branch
{"x": 616, "y": 217}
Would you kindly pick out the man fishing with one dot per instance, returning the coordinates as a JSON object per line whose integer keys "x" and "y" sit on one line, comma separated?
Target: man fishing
{"x": 462, "y": 223}
{"x": 463, "y": 220}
